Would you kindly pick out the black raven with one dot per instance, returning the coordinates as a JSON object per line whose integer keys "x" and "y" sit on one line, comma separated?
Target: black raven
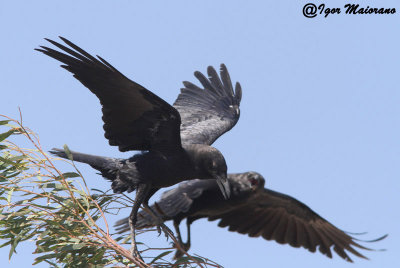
{"x": 174, "y": 140}
{"x": 251, "y": 210}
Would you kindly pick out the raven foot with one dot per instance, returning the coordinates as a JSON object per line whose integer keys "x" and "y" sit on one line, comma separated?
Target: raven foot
{"x": 159, "y": 222}
{"x": 161, "y": 227}
{"x": 179, "y": 253}
{"x": 136, "y": 254}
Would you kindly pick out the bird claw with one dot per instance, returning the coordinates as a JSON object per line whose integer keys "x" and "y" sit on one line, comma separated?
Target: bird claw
{"x": 162, "y": 228}
{"x": 136, "y": 254}
{"x": 159, "y": 230}
{"x": 179, "y": 253}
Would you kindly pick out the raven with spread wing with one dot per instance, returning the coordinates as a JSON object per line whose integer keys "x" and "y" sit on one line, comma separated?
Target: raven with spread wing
{"x": 174, "y": 140}
{"x": 251, "y": 210}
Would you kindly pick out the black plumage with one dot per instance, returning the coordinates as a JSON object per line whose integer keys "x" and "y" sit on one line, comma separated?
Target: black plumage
{"x": 252, "y": 210}
{"x": 175, "y": 141}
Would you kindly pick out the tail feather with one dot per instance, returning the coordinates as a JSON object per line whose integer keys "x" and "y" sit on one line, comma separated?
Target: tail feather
{"x": 97, "y": 162}
{"x": 123, "y": 175}
{"x": 144, "y": 221}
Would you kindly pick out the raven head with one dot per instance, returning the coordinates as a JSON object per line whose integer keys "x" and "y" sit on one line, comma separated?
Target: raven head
{"x": 254, "y": 180}
{"x": 245, "y": 184}
{"x": 210, "y": 164}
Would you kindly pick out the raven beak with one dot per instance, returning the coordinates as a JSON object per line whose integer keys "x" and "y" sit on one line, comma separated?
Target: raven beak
{"x": 224, "y": 186}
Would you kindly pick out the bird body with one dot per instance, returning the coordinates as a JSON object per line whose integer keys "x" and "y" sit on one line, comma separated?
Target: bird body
{"x": 155, "y": 168}
{"x": 252, "y": 210}
{"x": 194, "y": 200}
{"x": 175, "y": 140}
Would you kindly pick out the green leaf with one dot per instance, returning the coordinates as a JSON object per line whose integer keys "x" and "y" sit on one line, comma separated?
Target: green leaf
{"x": 78, "y": 246}
{"x": 6, "y": 161}
{"x": 85, "y": 200}
{"x": 70, "y": 175}
{"x": 11, "y": 160}
{"x": 56, "y": 186}
{"x": 52, "y": 263}
{"x": 5, "y": 244}
{"x": 44, "y": 207}
{"x": 44, "y": 257}
{"x": 68, "y": 152}
{"x": 17, "y": 158}
{"x": 99, "y": 255}
{"x": 4, "y": 122}
{"x": 187, "y": 259}
{"x": 10, "y": 194}
{"x": 12, "y": 249}
{"x": 5, "y": 135}
{"x": 22, "y": 212}
{"x": 160, "y": 256}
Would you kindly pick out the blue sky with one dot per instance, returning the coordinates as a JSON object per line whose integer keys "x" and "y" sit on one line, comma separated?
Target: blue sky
{"x": 319, "y": 114}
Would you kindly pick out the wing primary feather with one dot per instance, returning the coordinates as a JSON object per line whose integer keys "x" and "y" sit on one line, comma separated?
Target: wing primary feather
{"x": 134, "y": 118}
{"x": 109, "y": 65}
{"x": 226, "y": 79}
{"x": 227, "y": 220}
{"x": 279, "y": 233}
{"x": 83, "y": 57}
{"x": 311, "y": 238}
{"x": 272, "y": 225}
{"x": 339, "y": 246}
{"x": 190, "y": 85}
{"x": 258, "y": 228}
{"x": 324, "y": 243}
{"x": 207, "y": 112}
{"x": 80, "y": 50}
{"x": 302, "y": 237}
{"x": 347, "y": 243}
{"x": 238, "y": 92}
{"x": 339, "y": 251}
{"x": 215, "y": 81}
{"x": 290, "y": 235}
{"x": 256, "y": 218}
{"x": 238, "y": 220}
{"x": 206, "y": 83}
{"x": 57, "y": 55}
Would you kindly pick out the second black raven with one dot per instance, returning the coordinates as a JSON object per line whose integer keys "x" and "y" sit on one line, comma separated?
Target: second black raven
{"x": 175, "y": 141}
{"x": 252, "y": 210}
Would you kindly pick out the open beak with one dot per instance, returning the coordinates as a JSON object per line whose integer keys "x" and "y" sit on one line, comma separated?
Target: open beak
{"x": 224, "y": 186}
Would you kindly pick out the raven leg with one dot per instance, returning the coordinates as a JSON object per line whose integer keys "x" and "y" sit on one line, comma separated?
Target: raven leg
{"x": 185, "y": 246}
{"x": 159, "y": 222}
{"x": 178, "y": 232}
{"x": 141, "y": 194}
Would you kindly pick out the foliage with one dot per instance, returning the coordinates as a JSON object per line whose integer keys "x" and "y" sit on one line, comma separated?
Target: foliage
{"x": 60, "y": 214}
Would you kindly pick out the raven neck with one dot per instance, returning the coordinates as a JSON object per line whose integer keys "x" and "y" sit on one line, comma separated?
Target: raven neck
{"x": 196, "y": 153}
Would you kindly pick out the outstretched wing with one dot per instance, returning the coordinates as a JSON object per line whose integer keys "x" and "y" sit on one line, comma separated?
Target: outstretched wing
{"x": 173, "y": 204}
{"x": 279, "y": 217}
{"x": 210, "y": 112}
{"x": 134, "y": 118}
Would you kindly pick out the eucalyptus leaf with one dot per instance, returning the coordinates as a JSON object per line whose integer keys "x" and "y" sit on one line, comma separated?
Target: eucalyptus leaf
{"x": 5, "y": 135}
{"x": 165, "y": 253}
{"x": 68, "y": 152}
{"x": 10, "y": 192}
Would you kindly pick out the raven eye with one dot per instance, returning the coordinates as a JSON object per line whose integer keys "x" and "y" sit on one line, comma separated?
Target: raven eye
{"x": 212, "y": 164}
{"x": 253, "y": 181}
